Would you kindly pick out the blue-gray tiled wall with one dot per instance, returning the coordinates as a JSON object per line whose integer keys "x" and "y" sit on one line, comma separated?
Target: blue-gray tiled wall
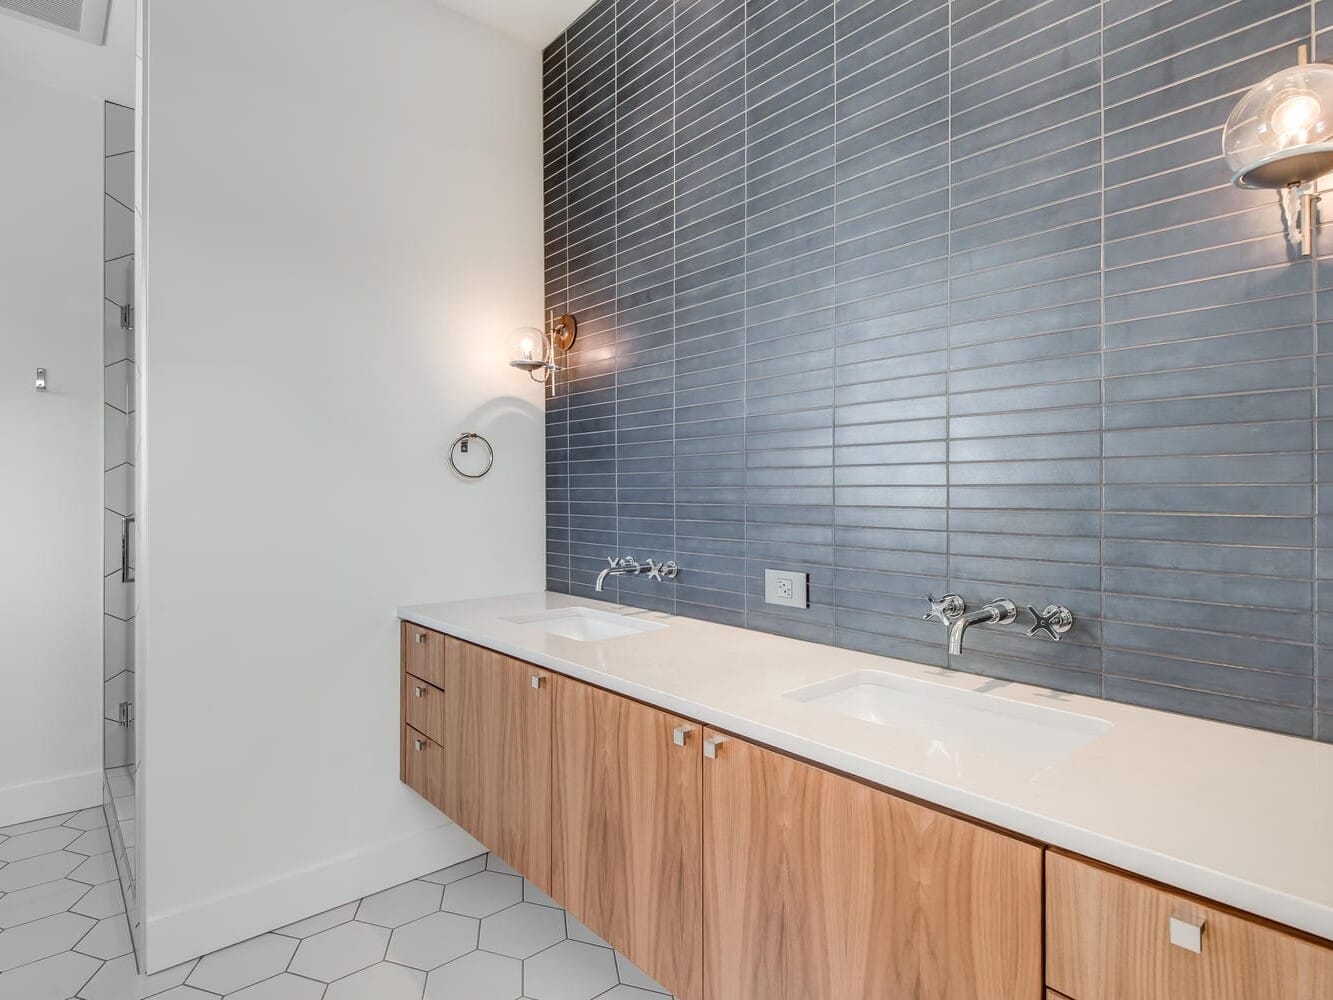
{"x": 918, "y": 295}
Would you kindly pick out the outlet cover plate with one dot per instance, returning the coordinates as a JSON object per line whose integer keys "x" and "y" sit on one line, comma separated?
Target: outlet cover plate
{"x": 787, "y": 588}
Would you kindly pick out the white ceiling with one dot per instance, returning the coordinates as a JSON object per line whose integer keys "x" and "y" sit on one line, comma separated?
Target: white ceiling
{"x": 54, "y": 59}
{"x": 535, "y": 22}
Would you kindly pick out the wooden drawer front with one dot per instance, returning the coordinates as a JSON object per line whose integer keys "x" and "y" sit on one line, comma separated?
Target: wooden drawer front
{"x": 423, "y": 653}
{"x": 423, "y": 766}
{"x": 1108, "y": 937}
{"x": 423, "y": 707}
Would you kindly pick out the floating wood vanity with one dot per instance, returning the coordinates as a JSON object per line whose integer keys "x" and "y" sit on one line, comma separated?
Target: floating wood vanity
{"x": 729, "y": 871}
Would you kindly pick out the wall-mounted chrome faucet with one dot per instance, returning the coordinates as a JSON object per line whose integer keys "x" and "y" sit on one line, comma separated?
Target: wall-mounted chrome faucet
{"x": 629, "y": 566}
{"x": 951, "y": 610}
{"x": 997, "y": 612}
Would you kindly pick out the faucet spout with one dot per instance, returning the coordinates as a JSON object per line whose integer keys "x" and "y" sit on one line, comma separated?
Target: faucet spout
{"x": 998, "y": 612}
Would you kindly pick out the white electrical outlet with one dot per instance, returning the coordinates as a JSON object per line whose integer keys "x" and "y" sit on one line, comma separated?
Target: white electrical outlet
{"x": 786, "y": 588}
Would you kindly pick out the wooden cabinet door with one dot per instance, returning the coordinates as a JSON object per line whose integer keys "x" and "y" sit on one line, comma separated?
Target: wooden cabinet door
{"x": 497, "y": 755}
{"x": 819, "y": 887}
{"x": 628, "y": 822}
{"x": 1108, "y": 936}
{"x": 423, "y": 766}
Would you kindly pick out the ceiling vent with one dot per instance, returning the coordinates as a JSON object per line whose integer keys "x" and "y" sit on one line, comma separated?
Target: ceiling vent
{"x": 84, "y": 19}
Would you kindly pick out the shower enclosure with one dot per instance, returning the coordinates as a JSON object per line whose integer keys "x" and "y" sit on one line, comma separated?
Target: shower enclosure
{"x": 119, "y": 525}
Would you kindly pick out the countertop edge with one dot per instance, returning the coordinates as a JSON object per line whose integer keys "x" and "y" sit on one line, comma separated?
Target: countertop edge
{"x": 1292, "y": 911}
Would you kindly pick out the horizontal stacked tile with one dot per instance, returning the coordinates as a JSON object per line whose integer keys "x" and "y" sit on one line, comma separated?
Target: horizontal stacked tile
{"x": 1208, "y": 363}
{"x": 789, "y": 279}
{"x": 1323, "y": 51}
{"x": 645, "y": 306}
{"x": 1024, "y": 388}
{"x": 710, "y": 308}
{"x": 890, "y": 438}
{"x": 589, "y": 385}
{"x": 555, "y": 158}
{"x": 947, "y": 294}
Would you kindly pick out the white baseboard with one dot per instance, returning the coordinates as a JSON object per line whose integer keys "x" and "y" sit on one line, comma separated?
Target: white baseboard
{"x": 37, "y": 799}
{"x": 191, "y": 931}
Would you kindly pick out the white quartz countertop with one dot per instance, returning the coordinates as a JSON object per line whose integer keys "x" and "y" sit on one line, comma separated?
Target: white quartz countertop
{"x": 1236, "y": 815}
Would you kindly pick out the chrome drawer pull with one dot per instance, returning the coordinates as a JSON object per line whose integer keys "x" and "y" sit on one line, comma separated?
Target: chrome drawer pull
{"x": 419, "y": 691}
{"x": 536, "y": 682}
{"x": 1186, "y": 931}
{"x": 421, "y": 638}
{"x": 681, "y": 734}
{"x": 711, "y": 744}
{"x": 419, "y": 744}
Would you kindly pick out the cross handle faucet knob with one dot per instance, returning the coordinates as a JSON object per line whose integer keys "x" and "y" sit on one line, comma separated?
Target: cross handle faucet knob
{"x": 1054, "y": 622}
{"x": 945, "y": 610}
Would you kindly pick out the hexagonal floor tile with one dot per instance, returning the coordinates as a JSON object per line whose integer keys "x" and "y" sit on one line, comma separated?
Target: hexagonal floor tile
{"x": 478, "y": 976}
{"x": 454, "y": 872}
{"x": 482, "y": 894}
{"x": 433, "y": 940}
{"x": 58, "y": 976}
{"x": 39, "y": 901}
{"x": 109, "y": 939}
{"x": 35, "y": 871}
{"x": 320, "y": 921}
{"x": 579, "y": 931}
{"x": 95, "y": 870}
{"x": 385, "y": 981}
{"x": 29, "y": 845}
{"x": 114, "y": 981}
{"x": 340, "y": 951}
{"x": 27, "y": 826}
{"x": 401, "y": 904}
{"x": 570, "y": 971}
{"x": 101, "y": 901}
{"x": 243, "y": 964}
{"x": 522, "y": 930}
{"x": 87, "y": 819}
{"x": 41, "y": 939}
{"x": 623, "y": 992}
{"x": 631, "y": 975}
{"x": 91, "y": 842}
{"x": 283, "y": 987}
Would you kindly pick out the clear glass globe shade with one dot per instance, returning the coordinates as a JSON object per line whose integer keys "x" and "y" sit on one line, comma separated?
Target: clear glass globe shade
{"x": 1281, "y": 132}
{"x": 528, "y": 350}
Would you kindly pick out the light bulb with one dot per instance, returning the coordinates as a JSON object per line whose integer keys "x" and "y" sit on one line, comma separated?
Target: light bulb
{"x": 527, "y": 348}
{"x": 1293, "y": 117}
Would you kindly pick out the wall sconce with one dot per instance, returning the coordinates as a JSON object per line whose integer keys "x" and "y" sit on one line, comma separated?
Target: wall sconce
{"x": 535, "y": 351}
{"x": 1281, "y": 137}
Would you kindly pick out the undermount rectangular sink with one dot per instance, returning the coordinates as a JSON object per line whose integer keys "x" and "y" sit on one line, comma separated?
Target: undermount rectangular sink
{"x": 586, "y": 624}
{"x": 951, "y": 720}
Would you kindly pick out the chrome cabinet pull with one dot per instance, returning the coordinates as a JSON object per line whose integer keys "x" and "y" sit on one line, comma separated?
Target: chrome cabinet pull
{"x": 536, "y": 682}
{"x": 421, "y": 638}
{"x": 681, "y": 735}
{"x": 711, "y": 743}
{"x": 1186, "y": 931}
{"x": 420, "y": 691}
{"x": 420, "y": 745}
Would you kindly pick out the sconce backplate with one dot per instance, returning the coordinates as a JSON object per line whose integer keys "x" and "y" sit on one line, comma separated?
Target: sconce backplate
{"x": 565, "y": 329}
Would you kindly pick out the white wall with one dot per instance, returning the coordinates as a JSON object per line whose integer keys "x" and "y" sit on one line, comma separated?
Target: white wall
{"x": 50, "y": 451}
{"x": 342, "y": 226}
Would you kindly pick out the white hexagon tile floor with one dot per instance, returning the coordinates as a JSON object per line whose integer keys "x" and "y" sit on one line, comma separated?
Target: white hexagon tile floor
{"x": 475, "y": 931}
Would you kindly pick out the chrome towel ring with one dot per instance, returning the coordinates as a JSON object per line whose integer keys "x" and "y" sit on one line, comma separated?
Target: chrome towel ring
{"x": 460, "y": 446}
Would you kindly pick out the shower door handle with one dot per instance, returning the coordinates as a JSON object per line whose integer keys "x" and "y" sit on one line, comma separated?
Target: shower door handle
{"x": 125, "y": 523}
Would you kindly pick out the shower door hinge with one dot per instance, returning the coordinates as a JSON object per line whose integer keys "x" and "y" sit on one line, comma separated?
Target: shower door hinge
{"x": 125, "y": 713}
{"x": 127, "y": 318}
